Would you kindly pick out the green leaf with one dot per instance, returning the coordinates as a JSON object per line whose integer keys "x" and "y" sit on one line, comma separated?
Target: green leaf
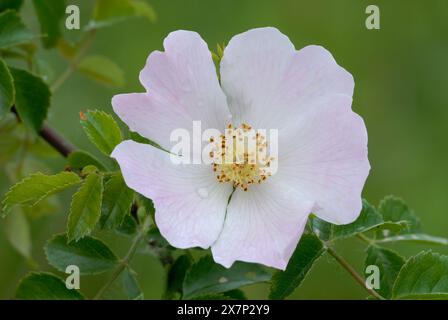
{"x": 6, "y": 89}
{"x": 91, "y": 255}
{"x": 10, "y": 4}
{"x": 130, "y": 285}
{"x": 77, "y": 160}
{"x": 102, "y": 69}
{"x": 109, "y": 12}
{"x": 394, "y": 209}
{"x": 283, "y": 283}
{"x": 102, "y": 130}
{"x": 32, "y": 98}
{"x": 176, "y": 276}
{"x": 12, "y": 30}
{"x": 236, "y": 294}
{"x": 50, "y": 14}
{"x": 85, "y": 209}
{"x": 368, "y": 219}
{"x": 206, "y": 277}
{"x": 45, "y": 286}
{"x": 212, "y": 296}
{"x": 415, "y": 237}
{"x": 33, "y": 189}
{"x": 128, "y": 227}
{"x": 17, "y": 231}
{"x": 117, "y": 202}
{"x": 389, "y": 264}
{"x": 424, "y": 276}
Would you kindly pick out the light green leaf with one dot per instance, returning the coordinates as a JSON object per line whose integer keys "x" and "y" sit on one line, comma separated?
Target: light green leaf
{"x": 176, "y": 276}
{"x": 283, "y": 283}
{"x": 6, "y": 89}
{"x": 394, "y": 209}
{"x": 85, "y": 209}
{"x": 102, "y": 130}
{"x": 77, "y": 160}
{"x": 206, "y": 277}
{"x": 389, "y": 264}
{"x": 91, "y": 255}
{"x": 415, "y": 237}
{"x": 102, "y": 69}
{"x": 31, "y": 190}
{"x": 117, "y": 202}
{"x": 50, "y": 14}
{"x": 12, "y": 30}
{"x": 45, "y": 286}
{"x": 130, "y": 285}
{"x": 424, "y": 276}
{"x": 17, "y": 231}
{"x": 32, "y": 98}
{"x": 109, "y": 12}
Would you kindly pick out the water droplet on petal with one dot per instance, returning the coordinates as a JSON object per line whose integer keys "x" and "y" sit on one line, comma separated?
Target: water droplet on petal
{"x": 203, "y": 193}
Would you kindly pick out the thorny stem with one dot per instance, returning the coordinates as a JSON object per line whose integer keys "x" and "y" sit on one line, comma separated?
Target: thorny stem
{"x": 85, "y": 45}
{"x": 353, "y": 273}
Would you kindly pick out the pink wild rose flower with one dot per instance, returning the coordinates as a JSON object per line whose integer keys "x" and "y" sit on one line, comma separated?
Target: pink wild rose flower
{"x": 264, "y": 83}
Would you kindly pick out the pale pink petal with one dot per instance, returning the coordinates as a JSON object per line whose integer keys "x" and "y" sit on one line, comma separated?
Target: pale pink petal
{"x": 190, "y": 204}
{"x": 325, "y": 159}
{"x": 182, "y": 86}
{"x": 262, "y": 225}
{"x": 269, "y": 84}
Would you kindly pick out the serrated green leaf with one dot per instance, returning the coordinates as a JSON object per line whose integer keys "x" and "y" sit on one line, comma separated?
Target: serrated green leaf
{"x": 33, "y": 189}
{"x": 6, "y": 89}
{"x": 117, "y": 202}
{"x": 176, "y": 276}
{"x": 415, "y": 237}
{"x": 424, "y": 276}
{"x": 389, "y": 263}
{"x": 206, "y": 277}
{"x": 12, "y": 30}
{"x": 89, "y": 254}
{"x": 77, "y": 160}
{"x": 45, "y": 286}
{"x": 50, "y": 14}
{"x": 85, "y": 209}
{"x": 17, "y": 231}
{"x": 102, "y": 69}
{"x": 102, "y": 130}
{"x": 394, "y": 209}
{"x": 283, "y": 283}
{"x": 32, "y": 98}
{"x": 109, "y": 12}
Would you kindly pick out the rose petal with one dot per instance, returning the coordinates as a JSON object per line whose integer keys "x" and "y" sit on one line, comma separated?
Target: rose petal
{"x": 269, "y": 83}
{"x": 182, "y": 87}
{"x": 190, "y": 204}
{"x": 262, "y": 225}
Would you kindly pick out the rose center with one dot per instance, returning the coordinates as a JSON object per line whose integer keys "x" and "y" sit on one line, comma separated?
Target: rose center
{"x": 240, "y": 156}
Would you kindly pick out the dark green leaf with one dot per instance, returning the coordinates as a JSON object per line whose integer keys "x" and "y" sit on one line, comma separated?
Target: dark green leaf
{"x": 395, "y": 210}
{"x": 117, "y": 202}
{"x": 90, "y": 255}
{"x": 128, "y": 226}
{"x": 45, "y": 286}
{"x": 50, "y": 14}
{"x": 32, "y": 98}
{"x": 10, "y": 4}
{"x": 85, "y": 209}
{"x": 31, "y": 190}
{"x": 103, "y": 70}
{"x": 206, "y": 277}
{"x": 130, "y": 285}
{"x": 77, "y": 160}
{"x": 424, "y": 276}
{"x": 176, "y": 276}
{"x": 283, "y": 283}
{"x": 212, "y": 296}
{"x": 389, "y": 264}
{"x": 102, "y": 130}
{"x": 12, "y": 30}
{"x": 235, "y": 294}
{"x": 6, "y": 89}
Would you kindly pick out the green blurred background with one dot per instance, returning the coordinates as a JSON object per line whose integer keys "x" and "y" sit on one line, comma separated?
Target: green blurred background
{"x": 401, "y": 75}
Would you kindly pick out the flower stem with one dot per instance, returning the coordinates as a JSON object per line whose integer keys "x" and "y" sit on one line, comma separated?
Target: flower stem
{"x": 353, "y": 273}
{"x": 85, "y": 45}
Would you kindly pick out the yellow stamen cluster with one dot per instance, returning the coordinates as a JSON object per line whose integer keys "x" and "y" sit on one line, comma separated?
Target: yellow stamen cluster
{"x": 239, "y": 156}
